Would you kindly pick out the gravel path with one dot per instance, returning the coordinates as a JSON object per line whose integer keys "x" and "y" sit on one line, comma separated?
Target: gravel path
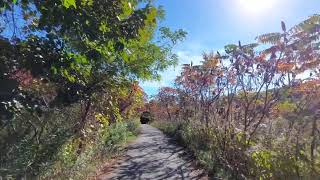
{"x": 153, "y": 156}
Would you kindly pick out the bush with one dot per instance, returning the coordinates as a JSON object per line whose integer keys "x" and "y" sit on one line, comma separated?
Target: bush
{"x": 235, "y": 160}
{"x": 134, "y": 127}
{"x": 80, "y": 166}
{"x": 30, "y": 144}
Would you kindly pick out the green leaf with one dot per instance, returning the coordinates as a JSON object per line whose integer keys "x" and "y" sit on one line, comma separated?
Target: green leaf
{"x": 65, "y": 73}
{"x": 230, "y": 48}
{"x": 87, "y": 2}
{"x": 71, "y": 79}
{"x": 54, "y": 70}
{"x": 270, "y": 38}
{"x": 68, "y": 3}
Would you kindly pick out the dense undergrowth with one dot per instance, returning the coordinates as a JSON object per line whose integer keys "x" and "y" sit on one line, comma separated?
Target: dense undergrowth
{"x": 272, "y": 163}
{"x": 110, "y": 143}
{"x": 58, "y": 153}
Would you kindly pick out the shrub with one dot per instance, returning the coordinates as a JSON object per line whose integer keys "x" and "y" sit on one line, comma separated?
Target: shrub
{"x": 234, "y": 159}
{"x": 133, "y": 126}
{"x": 81, "y": 166}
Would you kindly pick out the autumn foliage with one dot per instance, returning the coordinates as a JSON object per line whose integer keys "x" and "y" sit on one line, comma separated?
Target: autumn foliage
{"x": 69, "y": 73}
{"x": 252, "y": 114}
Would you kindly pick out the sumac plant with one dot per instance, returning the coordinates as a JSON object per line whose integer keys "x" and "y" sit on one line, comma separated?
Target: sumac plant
{"x": 254, "y": 107}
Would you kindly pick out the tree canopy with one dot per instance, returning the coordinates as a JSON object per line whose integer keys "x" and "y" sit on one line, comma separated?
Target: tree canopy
{"x": 78, "y": 47}
{"x": 69, "y": 71}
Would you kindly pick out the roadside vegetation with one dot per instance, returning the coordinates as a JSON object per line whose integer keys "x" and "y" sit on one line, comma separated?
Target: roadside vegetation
{"x": 69, "y": 72}
{"x": 70, "y": 97}
{"x": 252, "y": 111}
{"x": 69, "y": 163}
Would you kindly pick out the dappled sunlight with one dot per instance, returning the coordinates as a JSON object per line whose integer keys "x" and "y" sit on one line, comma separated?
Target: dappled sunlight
{"x": 233, "y": 84}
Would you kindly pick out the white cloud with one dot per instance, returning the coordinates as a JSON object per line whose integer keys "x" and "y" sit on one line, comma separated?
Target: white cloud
{"x": 187, "y": 52}
{"x": 169, "y": 75}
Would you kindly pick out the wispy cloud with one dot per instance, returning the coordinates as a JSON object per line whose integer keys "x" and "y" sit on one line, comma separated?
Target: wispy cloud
{"x": 187, "y": 52}
{"x": 168, "y": 76}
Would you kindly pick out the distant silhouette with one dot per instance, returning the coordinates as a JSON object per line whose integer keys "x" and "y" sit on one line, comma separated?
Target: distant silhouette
{"x": 145, "y": 117}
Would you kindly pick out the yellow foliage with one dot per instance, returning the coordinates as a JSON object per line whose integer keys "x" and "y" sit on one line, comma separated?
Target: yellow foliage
{"x": 286, "y": 107}
{"x": 117, "y": 114}
{"x": 68, "y": 153}
{"x": 87, "y": 2}
{"x": 285, "y": 67}
{"x": 104, "y": 120}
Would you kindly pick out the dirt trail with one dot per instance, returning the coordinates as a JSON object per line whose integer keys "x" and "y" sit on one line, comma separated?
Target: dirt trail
{"x": 153, "y": 156}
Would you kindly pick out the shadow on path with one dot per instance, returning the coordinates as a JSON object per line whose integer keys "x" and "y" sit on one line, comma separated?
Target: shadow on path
{"x": 153, "y": 156}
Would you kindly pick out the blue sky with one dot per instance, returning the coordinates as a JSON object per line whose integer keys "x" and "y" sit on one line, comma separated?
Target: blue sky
{"x": 212, "y": 24}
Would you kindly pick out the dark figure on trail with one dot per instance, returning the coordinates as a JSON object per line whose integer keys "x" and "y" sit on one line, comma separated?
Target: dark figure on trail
{"x": 145, "y": 117}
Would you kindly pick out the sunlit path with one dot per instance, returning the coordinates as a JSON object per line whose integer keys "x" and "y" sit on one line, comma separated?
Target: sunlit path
{"x": 153, "y": 156}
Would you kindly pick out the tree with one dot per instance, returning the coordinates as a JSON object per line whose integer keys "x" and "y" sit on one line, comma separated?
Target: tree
{"x": 92, "y": 44}
{"x": 167, "y": 98}
{"x": 77, "y": 57}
